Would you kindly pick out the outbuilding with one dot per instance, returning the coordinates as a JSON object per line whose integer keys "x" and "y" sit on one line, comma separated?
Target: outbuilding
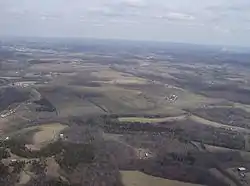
{"x": 241, "y": 169}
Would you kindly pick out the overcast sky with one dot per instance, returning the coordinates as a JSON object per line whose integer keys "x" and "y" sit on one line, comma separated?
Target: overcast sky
{"x": 193, "y": 21}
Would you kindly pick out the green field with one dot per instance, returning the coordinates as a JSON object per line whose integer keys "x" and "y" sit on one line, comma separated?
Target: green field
{"x": 151, "y": 120}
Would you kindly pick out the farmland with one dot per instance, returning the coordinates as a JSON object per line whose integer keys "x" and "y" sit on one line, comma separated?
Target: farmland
{"x": 102, "y": 113}
{"x": 151, "y": 120}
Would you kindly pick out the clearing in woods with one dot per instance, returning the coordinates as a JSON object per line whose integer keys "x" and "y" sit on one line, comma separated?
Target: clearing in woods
{"x": 137, "y": 178}
{"x": 47, "y": 133}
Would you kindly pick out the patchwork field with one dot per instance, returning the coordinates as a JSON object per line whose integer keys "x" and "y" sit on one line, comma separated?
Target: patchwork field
{"x": 133, "y": 114}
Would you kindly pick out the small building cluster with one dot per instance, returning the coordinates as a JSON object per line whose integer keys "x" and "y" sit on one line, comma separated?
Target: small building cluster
{"x": 8, "y": 113}
{"x": 172, "y": 98}
{"x": 242, "y": 171}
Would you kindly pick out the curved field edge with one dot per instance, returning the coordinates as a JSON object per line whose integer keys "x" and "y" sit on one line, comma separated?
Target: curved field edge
{"x": 137, "y": 178}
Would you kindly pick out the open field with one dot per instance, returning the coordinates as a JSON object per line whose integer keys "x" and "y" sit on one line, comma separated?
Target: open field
{"x": 115, "y": 77}
{"x": 137, "y": 178}
{"x": 152, "y": 120}
{"x": 39, "y": 136}
{"x": 48, "y": 133}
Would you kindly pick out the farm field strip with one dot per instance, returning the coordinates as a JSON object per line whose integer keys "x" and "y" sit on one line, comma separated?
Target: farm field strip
{"x": 218, "y": 125}
{"x": 152, "y": 120}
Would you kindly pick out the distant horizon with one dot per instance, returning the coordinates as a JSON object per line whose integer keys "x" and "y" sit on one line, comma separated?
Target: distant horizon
{"x": 9, "y": 37}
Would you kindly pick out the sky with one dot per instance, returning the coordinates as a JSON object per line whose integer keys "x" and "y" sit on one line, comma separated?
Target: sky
{"x": 225, "y": 22}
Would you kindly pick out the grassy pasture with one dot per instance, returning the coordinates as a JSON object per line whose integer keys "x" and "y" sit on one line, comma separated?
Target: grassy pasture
{"x": 151, "y": 120}
{"x": 137, "y": 178}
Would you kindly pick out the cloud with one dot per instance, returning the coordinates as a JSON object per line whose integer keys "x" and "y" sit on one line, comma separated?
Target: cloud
{"x": 232, "y": 6}
{"x": 133, "y": 3}
{"x": 124, "y": 21}
{"x": 139, "y": 9}
{"x": 125, "y": 8}
{"x": 220, "y": 29}
{"x": 179, "y": 16}
{"x": 228, "y": 11}
{"x": 98, "y": 25}
{"x": 143, "y": 18}
{"x": 175, "y": 16}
